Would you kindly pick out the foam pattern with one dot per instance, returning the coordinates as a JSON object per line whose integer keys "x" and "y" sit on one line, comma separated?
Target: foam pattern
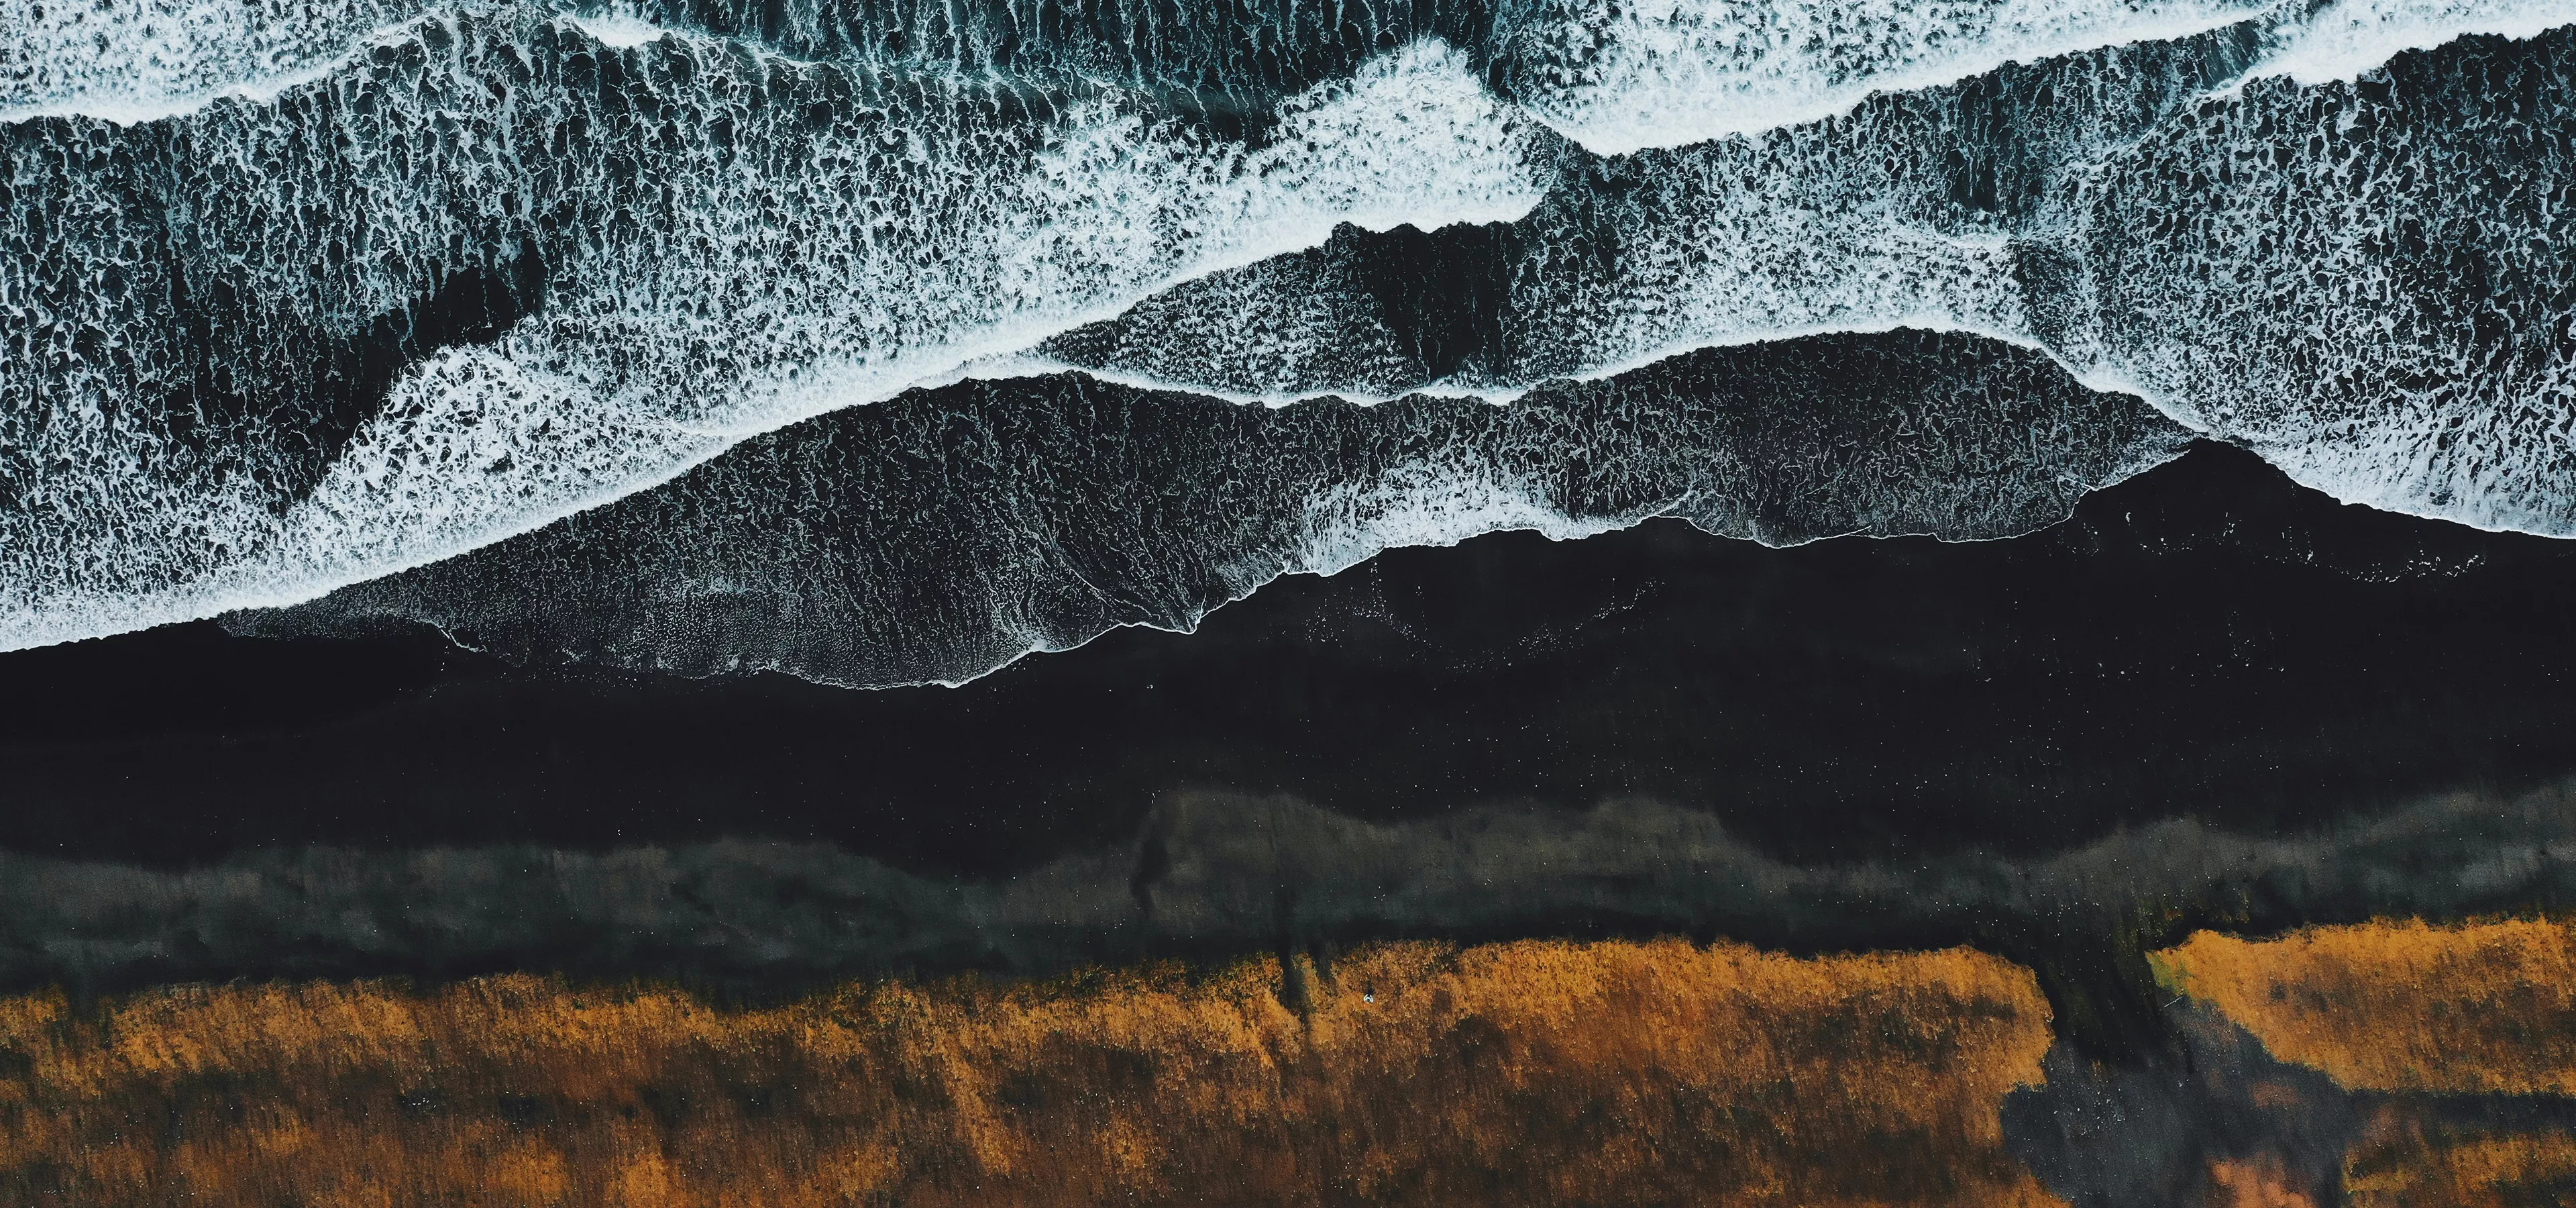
{"x": 295, "y": 297}
{"x": 948, "y": 532}
{"x": 1621, "y": 76}
{"x": 505, "y": 272}
{"x": 2365, "y": 280}
{"x": 137, "y": 60}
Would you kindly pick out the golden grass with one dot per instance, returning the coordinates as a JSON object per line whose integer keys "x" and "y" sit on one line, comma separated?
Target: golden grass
{"x": 2402, "y": 1164}
{"x": 2259, "y": 1182}
{"x": 1616, "y": 1073}
{"x": 2401, "y": 1006}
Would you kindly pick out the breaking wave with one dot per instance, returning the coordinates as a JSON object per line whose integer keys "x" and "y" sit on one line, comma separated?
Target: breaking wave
{"x": 507, "y": 272}
{"x": 948, "y": 532}
{"x": 297, "y": 297}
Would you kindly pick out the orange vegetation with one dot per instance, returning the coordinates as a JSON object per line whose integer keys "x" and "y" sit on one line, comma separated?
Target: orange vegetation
{"x": 2404, "y": 1164}
{"x": 2259, "y": 1182}
{"x": 2480, "y": 1008}
{"x": 1553, "y": 1073}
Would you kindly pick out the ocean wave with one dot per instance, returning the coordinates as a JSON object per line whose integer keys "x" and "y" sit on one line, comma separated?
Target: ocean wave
{"x": 941, "y": 535}
{"x": 2362, "y": 280}
{"x": 1616, "y": 78}
{"x": 694, "y": 244}
{"x": 424, "y": 286}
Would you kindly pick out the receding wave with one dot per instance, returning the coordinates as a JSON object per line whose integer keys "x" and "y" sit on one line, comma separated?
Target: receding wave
{"x": 506, "y": 271}
{"x": 2363, "y": 281}
{"x": 1615, "y": 77}
{"x": 306, "y": 296}
{"x": 948, "y": 532}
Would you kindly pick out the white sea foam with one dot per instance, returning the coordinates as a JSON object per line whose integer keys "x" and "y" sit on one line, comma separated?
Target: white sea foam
{"x": 1615, "y": 77}
{"x": 1725, "y": 243}
{"x": 900, "y": 247}
{"x": 723, "y": 266}
{"x": 948, "y": 534}
{"x": 2340, "y": 41}
{"x": 1624, "y": 76}
{"x": 140, "y": 60}
{"x": 622, "y": 28}
{"x": 1637, "y": 74}
{"x": 1424, "y": 504}
{"x": 1090, "y": 226}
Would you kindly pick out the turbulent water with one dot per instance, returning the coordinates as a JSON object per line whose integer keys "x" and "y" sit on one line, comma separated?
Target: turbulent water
{"x": 887, "y": 342}
{"x": 948, "y": 532}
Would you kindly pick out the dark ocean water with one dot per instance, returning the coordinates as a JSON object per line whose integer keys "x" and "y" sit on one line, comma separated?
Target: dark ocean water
{"x": 2205, "y": 640}
{"x": 2209, "y": 698}
{"x": 299, "y": 298}
{"x": 762, "y": 494}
